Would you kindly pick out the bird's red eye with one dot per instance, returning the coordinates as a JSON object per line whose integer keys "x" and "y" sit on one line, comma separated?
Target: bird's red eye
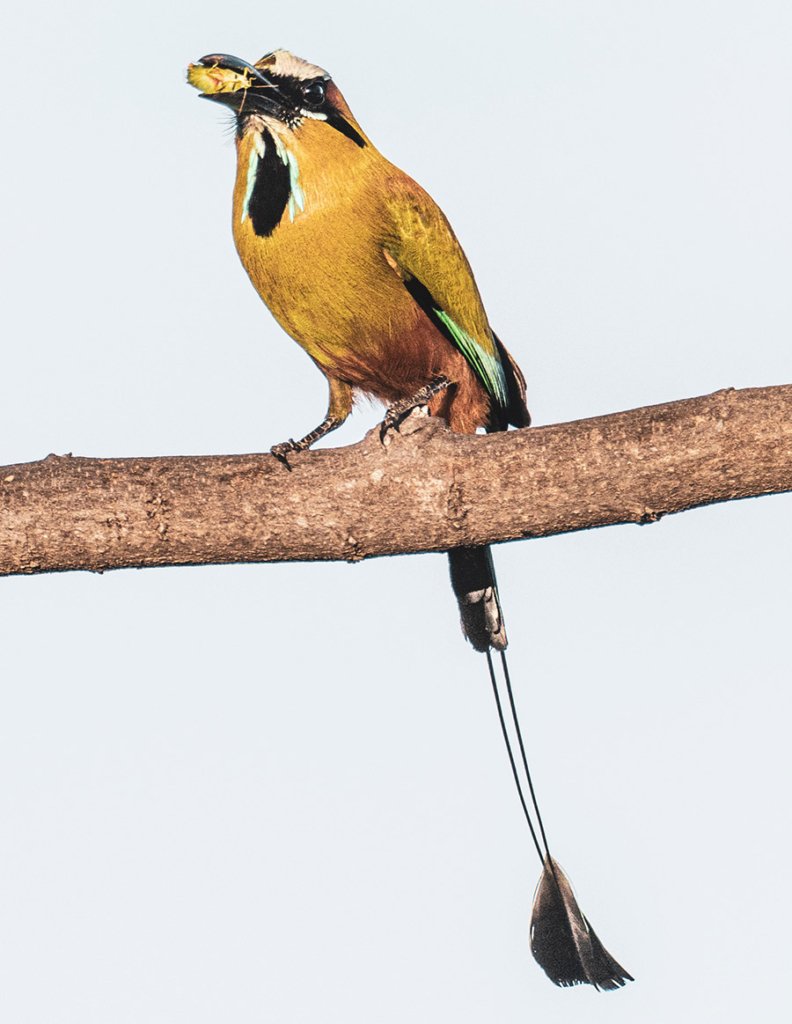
{"x": 314, "y": 93}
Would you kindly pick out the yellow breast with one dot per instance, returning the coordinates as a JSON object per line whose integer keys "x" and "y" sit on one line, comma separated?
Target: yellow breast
{"x": 322, "y": 271}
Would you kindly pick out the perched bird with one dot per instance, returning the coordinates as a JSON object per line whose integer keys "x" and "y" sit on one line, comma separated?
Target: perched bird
{"x": 360, "y": 266}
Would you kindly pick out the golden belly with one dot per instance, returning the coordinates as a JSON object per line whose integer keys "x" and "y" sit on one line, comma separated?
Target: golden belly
{"x": 333, "y": 291}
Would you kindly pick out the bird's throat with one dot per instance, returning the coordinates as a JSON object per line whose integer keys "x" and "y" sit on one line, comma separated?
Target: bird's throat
{"x": 272, "y": 182}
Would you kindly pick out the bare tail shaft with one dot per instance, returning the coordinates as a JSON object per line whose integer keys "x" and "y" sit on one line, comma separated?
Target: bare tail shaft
{"x": 563, "y": 942}
{"x": 473, "y": 580}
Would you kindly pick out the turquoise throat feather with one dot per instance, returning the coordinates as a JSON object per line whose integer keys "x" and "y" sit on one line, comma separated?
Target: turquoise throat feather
{"x": 272, "y": 185}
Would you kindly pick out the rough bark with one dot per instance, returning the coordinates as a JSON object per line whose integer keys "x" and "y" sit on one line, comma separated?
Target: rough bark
{"x": 425, "y": 490}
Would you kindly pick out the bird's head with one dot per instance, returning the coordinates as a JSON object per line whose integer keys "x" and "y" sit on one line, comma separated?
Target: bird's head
{"x": 280, "y": 90}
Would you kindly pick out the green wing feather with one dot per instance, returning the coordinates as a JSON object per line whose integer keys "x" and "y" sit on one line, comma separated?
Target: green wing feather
{"x": 486, "y": 366}
{"x": 427, "y": 252}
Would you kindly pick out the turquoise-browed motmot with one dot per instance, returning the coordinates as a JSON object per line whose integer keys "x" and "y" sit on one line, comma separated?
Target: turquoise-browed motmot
{"x": 360, "y": 266}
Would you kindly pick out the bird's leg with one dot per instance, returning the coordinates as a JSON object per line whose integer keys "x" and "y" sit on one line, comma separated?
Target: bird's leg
{"x": 339, "y": 407}
{"x": 399, "y": 410}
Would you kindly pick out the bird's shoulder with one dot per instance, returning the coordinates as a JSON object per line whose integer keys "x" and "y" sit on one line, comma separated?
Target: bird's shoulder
{"x": 412, "y": 216}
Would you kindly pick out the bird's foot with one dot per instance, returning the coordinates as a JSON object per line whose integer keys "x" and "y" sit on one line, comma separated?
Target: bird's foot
{"x": 399, "y": 411}
{"x": 284, "y": 449}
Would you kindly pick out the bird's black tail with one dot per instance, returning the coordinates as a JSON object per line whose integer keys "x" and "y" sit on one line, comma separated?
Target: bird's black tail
{"x": 473, "y": 580}
{"x": 562, "y": 940}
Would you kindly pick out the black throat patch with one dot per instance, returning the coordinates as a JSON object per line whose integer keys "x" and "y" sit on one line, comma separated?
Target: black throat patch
{"x": 269, "y": 198}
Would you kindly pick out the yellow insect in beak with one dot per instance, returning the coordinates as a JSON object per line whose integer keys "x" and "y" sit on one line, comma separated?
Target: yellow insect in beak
{"x": 213, "y": 80}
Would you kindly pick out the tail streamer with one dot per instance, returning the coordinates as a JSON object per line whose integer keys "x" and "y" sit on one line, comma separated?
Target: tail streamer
{"x": 563, "y": 942}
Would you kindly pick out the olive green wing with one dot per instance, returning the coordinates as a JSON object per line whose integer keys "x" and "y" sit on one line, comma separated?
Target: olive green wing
{"x": 423, "y": 249}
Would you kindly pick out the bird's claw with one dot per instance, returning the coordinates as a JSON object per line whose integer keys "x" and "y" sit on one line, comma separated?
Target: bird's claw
{"x": 396, "y": 415}
{"x": 282, "y": 450}
{"x": 399, "y": 411}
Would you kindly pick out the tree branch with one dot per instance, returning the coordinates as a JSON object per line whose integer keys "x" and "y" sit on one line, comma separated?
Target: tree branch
{"x": 425, "y": 490}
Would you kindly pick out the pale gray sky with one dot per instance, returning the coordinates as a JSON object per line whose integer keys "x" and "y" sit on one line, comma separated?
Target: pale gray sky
{"x": 277, "y": 793}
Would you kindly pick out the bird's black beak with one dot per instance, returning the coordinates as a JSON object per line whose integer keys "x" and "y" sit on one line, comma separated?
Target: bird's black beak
{"x": 237, "y": 84}
{"x": 226, "y": 62}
